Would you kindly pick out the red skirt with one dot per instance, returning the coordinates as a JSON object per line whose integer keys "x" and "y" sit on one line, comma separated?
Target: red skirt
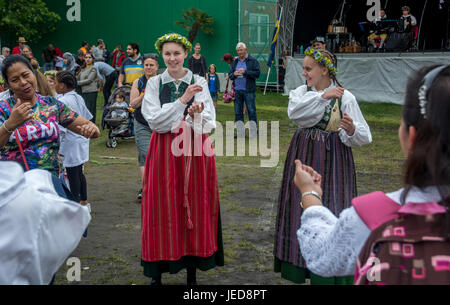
{"x": 180, "y": 197}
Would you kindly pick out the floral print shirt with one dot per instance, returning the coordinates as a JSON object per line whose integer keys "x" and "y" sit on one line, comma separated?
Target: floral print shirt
{"x": 39, "y": 136}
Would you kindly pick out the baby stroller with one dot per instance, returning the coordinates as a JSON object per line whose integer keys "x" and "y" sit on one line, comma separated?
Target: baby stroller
{"x": 121, "y": 126}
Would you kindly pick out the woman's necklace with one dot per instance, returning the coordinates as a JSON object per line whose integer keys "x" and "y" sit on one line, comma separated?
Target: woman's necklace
{"x": 177, "y": 83}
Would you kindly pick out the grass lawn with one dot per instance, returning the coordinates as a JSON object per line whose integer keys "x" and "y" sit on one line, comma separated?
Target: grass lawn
{"x": 248, "y": 199}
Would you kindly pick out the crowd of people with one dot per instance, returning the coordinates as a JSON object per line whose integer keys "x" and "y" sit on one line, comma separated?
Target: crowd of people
{"x": 323, "y": 230}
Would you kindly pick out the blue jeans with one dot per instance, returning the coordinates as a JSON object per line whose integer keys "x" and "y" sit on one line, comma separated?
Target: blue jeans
{"x": 248, "y": 98}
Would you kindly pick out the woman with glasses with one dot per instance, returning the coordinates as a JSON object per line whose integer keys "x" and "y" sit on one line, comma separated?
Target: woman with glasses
{"x": 141, "y": 127}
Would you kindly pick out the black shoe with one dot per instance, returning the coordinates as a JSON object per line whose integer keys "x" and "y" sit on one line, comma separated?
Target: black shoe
{"x": 191, "y": 277}
{"x": 139, "y": 196}
{"x": 156, "y": 281}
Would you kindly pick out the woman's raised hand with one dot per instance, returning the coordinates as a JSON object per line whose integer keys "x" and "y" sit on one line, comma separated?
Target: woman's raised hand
{"x": 347, "y": 125}
{"x": 335, "y": 92}
{"x": 307, "y": 179}
{"x": 20, "y": 113}
{"x": 190, "y": 92}
{"x": 196, "y": 107}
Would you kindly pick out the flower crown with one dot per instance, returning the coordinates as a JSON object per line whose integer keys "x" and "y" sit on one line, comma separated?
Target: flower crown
{"x": 319, "y": 58}
{"x": 52, "y": 73}
{"x": 174, "y": 37}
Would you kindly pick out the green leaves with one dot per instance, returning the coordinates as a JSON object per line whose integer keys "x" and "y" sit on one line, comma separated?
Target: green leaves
{"x": 28, "y": 18}
{"x": 195, "y": 19}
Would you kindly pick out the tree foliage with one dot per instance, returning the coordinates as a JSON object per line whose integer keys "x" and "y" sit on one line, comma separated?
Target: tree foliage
{"x": 27, "y": 18}
{"x": 195, "y": 20}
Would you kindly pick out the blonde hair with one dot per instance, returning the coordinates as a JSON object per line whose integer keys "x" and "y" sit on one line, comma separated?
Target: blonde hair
{"x": 43, "y": 88}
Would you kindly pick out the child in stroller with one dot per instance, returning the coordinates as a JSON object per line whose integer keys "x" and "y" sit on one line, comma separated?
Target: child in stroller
{"x": 118, "y": 117}
{"x": 119, "y": 107}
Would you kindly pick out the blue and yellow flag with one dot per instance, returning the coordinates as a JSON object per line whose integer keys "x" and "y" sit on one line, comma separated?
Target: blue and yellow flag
{"x": 274, "y": 41}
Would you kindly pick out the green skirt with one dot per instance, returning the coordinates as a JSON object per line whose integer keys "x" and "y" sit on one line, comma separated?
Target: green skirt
{"x": 299, "y": 275}
{"x": 153, "y": 269}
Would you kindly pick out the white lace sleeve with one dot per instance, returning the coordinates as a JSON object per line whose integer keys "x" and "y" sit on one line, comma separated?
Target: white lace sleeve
{"x": 331, "y": 245}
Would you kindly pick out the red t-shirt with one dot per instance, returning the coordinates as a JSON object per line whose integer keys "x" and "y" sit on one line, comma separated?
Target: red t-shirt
{"x": 17, "y": 50}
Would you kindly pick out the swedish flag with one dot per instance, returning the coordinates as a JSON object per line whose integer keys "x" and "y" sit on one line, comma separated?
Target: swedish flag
{"x": 274, "y": 41}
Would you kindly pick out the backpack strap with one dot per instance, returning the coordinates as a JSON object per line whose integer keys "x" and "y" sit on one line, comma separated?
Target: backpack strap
{"x": 375, "y": 209}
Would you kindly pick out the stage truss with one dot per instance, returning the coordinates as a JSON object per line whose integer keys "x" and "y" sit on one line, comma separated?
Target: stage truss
{"x": 286, "y": 34}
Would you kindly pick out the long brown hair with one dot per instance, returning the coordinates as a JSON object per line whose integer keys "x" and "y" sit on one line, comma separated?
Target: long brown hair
{"x": 428, "y": 162}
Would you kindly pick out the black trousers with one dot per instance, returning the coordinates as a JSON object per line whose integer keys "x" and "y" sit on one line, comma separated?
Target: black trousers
{"x": 91, "y": 103}
{"x": 107, "y": 86}
{"x": 77, "y": 182}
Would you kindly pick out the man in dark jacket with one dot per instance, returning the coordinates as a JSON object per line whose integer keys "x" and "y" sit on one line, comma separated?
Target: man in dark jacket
{"x": 244, "y": 71}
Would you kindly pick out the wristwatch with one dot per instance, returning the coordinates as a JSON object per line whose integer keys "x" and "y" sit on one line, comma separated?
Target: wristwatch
{"x": 314, "y": 193}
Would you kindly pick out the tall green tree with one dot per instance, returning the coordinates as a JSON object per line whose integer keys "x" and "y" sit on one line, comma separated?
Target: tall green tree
{"x": 195, "y": 20}
{"x": 27, "y": 18}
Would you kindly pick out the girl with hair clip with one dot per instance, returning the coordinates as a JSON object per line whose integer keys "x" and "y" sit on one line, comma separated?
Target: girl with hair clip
{"x": 331, "y": 123}
{"x": 180, "y": 218}
{"x": 406, "y": 230}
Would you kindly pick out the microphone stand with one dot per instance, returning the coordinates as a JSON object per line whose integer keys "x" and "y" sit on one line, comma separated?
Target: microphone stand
{"x": 342, "y": 11}
{"x": 420, "y": 25}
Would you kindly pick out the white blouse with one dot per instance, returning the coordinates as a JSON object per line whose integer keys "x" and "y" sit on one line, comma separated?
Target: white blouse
{"x": 331, "y": 245}
{"x": 166, "y": 118}
{"x": 39, "y": 229}
{"x": 74, "y": 147}
{"x": 306, "y": 109}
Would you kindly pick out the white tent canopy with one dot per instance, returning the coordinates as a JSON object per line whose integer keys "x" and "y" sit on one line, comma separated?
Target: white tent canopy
{"x": 371, "y": 77}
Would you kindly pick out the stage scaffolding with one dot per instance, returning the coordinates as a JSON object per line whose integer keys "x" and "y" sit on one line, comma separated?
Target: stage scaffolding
{"x": 286, "y": 34}
{"x": 255, "y": 28}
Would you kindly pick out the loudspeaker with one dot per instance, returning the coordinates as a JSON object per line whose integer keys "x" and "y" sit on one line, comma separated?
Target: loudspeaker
{"x": 398, "y": 41}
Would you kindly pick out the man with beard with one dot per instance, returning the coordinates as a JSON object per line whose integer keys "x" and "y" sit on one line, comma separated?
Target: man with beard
{"x": 132, "y": 67}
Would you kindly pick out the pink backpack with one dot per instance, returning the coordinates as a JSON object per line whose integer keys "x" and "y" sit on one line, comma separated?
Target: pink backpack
{"x": 408, "y": 244}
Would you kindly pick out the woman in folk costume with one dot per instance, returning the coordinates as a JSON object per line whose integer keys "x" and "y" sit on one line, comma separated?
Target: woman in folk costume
{"x": 331, "y": 123}
{"x": 180, "y": 221}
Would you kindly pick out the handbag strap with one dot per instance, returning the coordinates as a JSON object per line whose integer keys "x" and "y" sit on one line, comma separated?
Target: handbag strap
{"x": 226, "y": 87}
{"x": 16, "y": 135}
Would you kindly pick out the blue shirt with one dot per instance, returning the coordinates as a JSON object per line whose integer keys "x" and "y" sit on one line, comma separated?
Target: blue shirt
{"x": 212, "y": 83}
{"x": 103, "y": 69}
{"x": 240, "y": 82}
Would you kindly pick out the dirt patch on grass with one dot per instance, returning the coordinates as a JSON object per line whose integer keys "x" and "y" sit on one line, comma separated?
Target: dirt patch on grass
{"x": 248, "y": 199}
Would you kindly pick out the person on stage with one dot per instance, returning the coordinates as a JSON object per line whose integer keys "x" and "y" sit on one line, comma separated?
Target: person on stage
{"x": 330, "y": 124}
{"x": 407, "y": 20}
{"x": 318, "y": 43}
{"x": 180, "y": 221}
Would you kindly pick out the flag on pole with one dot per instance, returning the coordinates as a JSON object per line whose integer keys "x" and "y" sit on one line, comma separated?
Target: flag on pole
{"x": 274, "y": 40}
